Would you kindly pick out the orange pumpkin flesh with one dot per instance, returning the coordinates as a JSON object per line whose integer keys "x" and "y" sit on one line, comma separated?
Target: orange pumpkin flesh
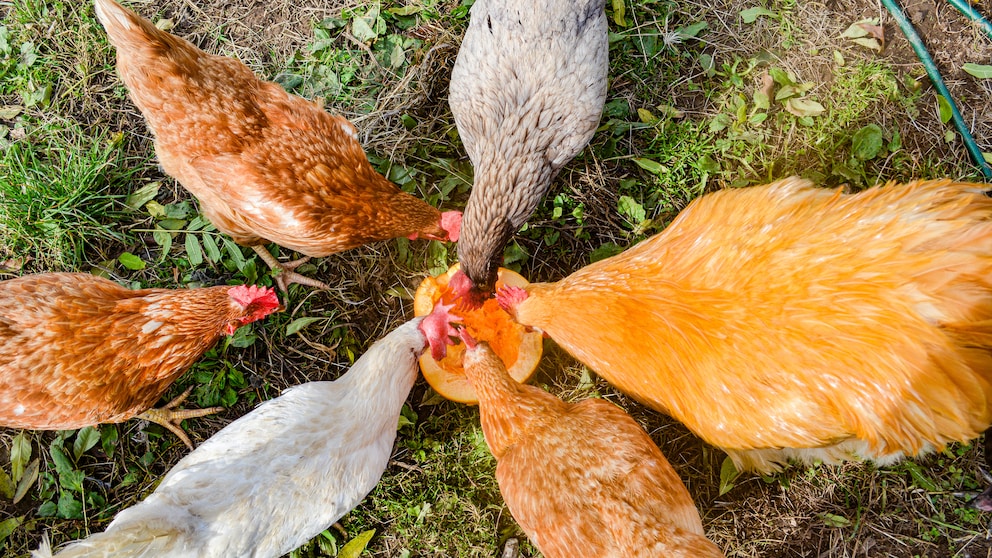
{"x": 518, "y": 349}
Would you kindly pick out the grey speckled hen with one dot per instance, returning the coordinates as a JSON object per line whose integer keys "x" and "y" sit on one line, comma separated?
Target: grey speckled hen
{"x": 527, "y": 93}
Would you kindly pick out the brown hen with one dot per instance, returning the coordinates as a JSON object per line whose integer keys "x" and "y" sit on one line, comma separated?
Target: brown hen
{"x": 265, "y": 165}
{"x": 79, "y": 350}
{"x": 581, "y": 478}
{"x": 791, "y": 322}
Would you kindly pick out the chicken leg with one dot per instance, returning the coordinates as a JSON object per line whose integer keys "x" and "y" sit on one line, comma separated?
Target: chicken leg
{"x": 169, "y": 418}
{"x": 285, "y": 275}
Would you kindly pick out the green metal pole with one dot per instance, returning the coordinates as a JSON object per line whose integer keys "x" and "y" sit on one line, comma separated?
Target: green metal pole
{"x": 938, "y": 82}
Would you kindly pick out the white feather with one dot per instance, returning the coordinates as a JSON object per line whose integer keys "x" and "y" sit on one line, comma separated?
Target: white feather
{"x": 278, "y": 476}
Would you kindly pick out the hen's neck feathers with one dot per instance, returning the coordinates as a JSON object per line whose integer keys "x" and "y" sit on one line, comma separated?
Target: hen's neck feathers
{"x": 382, "y": 369}
{"x": 509, "y": 411}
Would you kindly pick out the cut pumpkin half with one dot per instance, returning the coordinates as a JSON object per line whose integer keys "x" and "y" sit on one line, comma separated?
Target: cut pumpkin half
{"x": 519, "y": 349}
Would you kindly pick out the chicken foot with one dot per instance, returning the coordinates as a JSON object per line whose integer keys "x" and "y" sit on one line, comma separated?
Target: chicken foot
{"x": 169, "y": 418}
{"x": 285, "y": 275}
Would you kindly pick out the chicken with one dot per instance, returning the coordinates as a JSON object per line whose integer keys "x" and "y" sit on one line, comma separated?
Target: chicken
{"x": 581, "y": 475}
{"x": 787, "y": 322}
{"x": 278, "y": 476}
{"x": 527, "y": 92}
{"x": 265, "y": 165}
{"x": 79, "y": 350}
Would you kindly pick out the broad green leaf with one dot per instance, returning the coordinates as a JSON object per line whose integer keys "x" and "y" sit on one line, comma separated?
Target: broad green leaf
{"x": 804, "y": 107}
{"x": 193, "y": 250}
{"x": 30, "y": 475}
{"x": 404, "y": 422}
{"x": 7, "y": 485}
{"x": 920, "y": 479}
{"x": 692, "y": 30}
{"x": 787, "y": 92}
{"x": 8, "y": 526}
{"x": 234, "y": 251}
{"x": 944, "y": 109}
{"x": 61, "y": 460}
{"x": 71, "y": 480}
{"x": 707, "y": 63}
{"x": 48, "y": 509}
{"x": 654, "y": 167}
{"x": 197, "y": 223}
{"x": 405, "y": 10}
{"x": 839, "y": 58}
{"x": 630, "y": 209}
{"x": 86, "y": 438}
{"x": 645, "y": 116}
{"x": 987, "y": 157}
{"x": 867, "y": 142}
{"x": 397, "y": 57}
{"x": 131, "y": 261}
{"x": 300, "y": 323}
{"x": 108, "y": 439}
{"x": 69, "y": 507}
{"x": 761, "y": 100}
{"x": 728, "y": 474}
{"x": 362, "y": 30}
{"x": 355, "y": 547}
{"x": 211, "y": 248}
{"x": 980, "y": 71}
{"x": 20, "y": 455}
{"x": 781, "y": 77}
{"x": 834, "y": 520}
{"x": 619, "y": 13}
{"x": 163, "y": 239}
{"x": 751, "y": 15}
{"x": 758, "y": 118}
{"x": 607, "y": 250}
{"x": 143, "y": 195}
{"x": 155, "y": 209}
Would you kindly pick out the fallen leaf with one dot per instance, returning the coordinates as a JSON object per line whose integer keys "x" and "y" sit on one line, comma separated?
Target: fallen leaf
{"x": 874, "y": 30}
{"x": 870, "y": 43}
{"x": 8, "y": 112}
{"x": 762, "y": 97}
{"x": 857, "y": 29}
{"x": 13, "y": 264}
{"x": 804, "y": 107}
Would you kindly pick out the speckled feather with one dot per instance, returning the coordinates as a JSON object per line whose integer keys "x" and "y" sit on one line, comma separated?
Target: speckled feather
{"x": 79, "y": 350}
{"x": 278, "y": 476}
{"x": 790, "y": 322}
{"x": 583, "y": 475}
{"x": 527, "y": 92}
{"x": 265, "y": 165}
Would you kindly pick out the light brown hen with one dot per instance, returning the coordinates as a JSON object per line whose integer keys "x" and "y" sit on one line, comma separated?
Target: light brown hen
{"x": 79, "y": 350}
{"x": 581, "y": 478}
{"x": 265, "y": 165}
{"x": 790, "y": 322}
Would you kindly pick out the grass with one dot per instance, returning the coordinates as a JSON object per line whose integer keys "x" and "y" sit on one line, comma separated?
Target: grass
{"x": 685, "y": 114}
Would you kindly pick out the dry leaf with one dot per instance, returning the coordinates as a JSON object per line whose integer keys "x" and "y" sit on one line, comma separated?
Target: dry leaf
{"x": 876, "y": 31}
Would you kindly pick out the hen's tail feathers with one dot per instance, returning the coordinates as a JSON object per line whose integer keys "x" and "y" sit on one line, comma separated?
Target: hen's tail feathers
{"x": 44, "y": 550}
{"x": 138, "y": 541}
{"x": 126, "y": 29}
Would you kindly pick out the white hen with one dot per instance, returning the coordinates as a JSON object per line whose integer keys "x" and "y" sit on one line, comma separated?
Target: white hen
{"x": 527, "y": 92}
{"x": 278, "y": 476}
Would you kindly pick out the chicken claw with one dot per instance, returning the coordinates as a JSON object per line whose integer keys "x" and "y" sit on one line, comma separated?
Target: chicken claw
{"x": 168, "y": 418}
{"x": 285, "y": 276}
